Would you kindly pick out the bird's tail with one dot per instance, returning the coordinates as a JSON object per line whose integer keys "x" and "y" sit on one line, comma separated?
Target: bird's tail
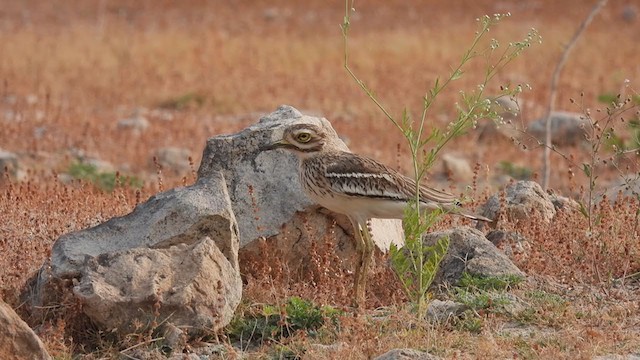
{"x": 456, "y": 210}
{"x": 474, "y": 216}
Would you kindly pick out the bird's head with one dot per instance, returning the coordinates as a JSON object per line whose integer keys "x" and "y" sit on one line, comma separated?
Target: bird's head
{"x": 301, "y": 139}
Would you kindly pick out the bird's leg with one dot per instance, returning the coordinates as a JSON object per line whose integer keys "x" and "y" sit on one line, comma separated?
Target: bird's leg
{"x": 364, "y": 247}
{"x": 358, "y": 279}
{"x": 369, "y": 244}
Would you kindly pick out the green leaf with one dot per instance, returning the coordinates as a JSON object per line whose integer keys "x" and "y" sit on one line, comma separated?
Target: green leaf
{"x": 457, "y": 74}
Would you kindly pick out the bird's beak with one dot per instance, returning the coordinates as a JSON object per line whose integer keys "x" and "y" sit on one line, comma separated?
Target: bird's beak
{"x": 276, "y": 145}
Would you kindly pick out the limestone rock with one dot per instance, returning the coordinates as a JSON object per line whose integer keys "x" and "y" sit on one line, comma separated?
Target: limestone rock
{"x": 406, "y": 354}
{"x": 142, "y": 251}
{"x": 173, "y": 159}
{"x": 136, "y": 123}
{"x": 567, "y": 128}
{"x": 469, "y": 251}
{"x": 181, "y": 215}
{"x": 511, "y": 243}
{"x": 17, "y": 340}
{"x": 522, "y": 200}
{"x": 564, "y": 203}
{"x": 192, "y": 286}
{"x": 440, "y": 311}
{"x": 264, "y": 187}
{"x": 457, "y": 168}
{"x": 627, "y": 185}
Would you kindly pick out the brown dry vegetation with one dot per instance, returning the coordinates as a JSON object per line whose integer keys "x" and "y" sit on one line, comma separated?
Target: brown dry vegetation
{"x": 89, "y": 63}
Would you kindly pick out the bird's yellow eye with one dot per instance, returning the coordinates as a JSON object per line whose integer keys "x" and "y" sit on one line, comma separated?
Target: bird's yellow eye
{"x": 304, "y": 137}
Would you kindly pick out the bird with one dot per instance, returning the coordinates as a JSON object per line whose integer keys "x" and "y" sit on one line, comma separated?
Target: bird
{"x": 359, "y": 187}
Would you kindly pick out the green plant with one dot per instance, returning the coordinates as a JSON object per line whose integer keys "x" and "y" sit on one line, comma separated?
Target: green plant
{"x": 482, "y": 299}
{"x": 185, "y": 101}
{"x": 470, "y": 281}
{"x": 272, "y": 323}
{"x": 515, "y": 171}
{"x": 602, "y": 136}
{"x": 104, "y": 180}
{"x": 469, "y": 321}
{"x": 417, "y": 264}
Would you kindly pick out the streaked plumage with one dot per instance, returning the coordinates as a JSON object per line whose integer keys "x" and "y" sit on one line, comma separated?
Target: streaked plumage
{"x": 358, "y": 187}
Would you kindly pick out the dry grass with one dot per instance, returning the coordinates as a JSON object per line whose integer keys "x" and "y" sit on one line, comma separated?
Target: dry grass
{"x": 69, "y": 71}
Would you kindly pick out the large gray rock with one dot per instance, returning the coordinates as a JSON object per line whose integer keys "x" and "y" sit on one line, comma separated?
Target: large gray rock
{"x": 181, "y": 215}
{"x": 188, "y": 285}
{"x": 522, "y": 200}
{"x": 17, "y": 340}
{"x": 264, "y": 187}
{"x": 133, "y": 244}
{"x": 469, "y": 251}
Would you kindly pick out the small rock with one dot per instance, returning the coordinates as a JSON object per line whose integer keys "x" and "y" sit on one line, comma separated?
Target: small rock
{"x": 522, "y": 200}
{"x": 137, "y": 123}
{"x": 211, "y": 350}
{"x": 174, "y": 337}
{"x": 173, "y": 159}
{"x": 469, "y": 251}
{"x": 564, "y": 203}
{"x": 17, "y": 340}
{"x": 10, "y": 115}
{"x": 161, "y": 114}
{"x": 457, "y": 168}
{"x": 406, "y": 354}
{"x": 567, "y": 128}
{"x": 40, "y": 131}
{"x": 10, "y": 99}
{"x": 440, "y": 311}
{"x": 626, "y": 186}
{"x": 39, "y": 115}
{"x": 8, "y": 163}
{"x": 31, "y": 99}
{"x": 509, "y": 128}
{"x": 630, "y": 13}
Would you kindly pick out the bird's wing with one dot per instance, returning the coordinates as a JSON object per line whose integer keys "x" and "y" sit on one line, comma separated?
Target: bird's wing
{"x": 356, "y": 175}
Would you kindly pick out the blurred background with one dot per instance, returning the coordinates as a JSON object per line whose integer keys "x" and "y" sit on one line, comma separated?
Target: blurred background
{"x": 112, "y": 84}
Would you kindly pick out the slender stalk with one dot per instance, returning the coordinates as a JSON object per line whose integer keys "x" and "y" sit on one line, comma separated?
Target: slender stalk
{"x": 553, "y": 89}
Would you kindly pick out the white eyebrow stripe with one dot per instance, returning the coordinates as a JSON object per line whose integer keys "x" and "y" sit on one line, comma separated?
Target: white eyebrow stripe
{"x": 359, "y": 176}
